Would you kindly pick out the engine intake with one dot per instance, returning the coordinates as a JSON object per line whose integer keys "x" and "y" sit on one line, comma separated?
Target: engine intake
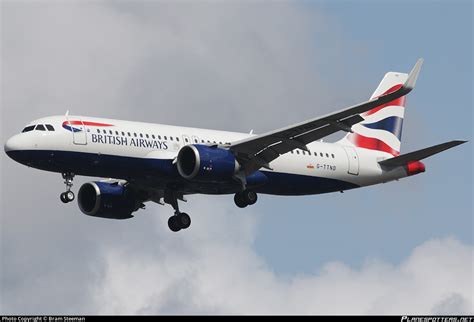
{"x": 204, "y": 163}
{"x": 106, "y": 200}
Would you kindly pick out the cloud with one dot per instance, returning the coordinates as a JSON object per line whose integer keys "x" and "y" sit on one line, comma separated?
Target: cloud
{"x": 203, "y": 272}
{"x": 197, "y": 64}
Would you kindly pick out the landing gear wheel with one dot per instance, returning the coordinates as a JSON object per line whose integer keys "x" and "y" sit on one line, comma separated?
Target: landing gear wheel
{"x": 239, "y": 201}
{"x": 184, "y": 220}
{"x": 249, "y": 196}
{"x": 63, "y": 197}
{"x": 69, "y": 196}
{"x": 173, "y": 224}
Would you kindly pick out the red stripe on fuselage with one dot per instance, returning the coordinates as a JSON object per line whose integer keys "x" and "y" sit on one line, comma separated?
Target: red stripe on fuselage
{"x": 86, "y": 123}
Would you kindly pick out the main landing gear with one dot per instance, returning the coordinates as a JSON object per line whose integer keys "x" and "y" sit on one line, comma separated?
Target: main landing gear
{"x": 68, "y": 195}
{"x": 179, "y": 220}
{"x": 245, "y": 198}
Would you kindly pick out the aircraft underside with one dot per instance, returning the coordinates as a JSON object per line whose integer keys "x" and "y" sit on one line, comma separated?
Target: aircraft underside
{"x": 161, "y": 175}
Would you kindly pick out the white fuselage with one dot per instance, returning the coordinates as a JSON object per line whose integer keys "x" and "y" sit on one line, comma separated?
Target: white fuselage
{"x": 104, "y": 138}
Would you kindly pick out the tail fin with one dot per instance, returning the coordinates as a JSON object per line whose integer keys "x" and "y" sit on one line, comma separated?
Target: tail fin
{"x": 381, "y": 129}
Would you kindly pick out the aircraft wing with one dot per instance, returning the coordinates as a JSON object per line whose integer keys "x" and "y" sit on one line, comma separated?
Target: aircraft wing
{"x": 258, "y": 151}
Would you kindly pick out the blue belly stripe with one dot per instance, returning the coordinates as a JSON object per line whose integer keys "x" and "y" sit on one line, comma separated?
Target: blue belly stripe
{"x": 162, "y": 173}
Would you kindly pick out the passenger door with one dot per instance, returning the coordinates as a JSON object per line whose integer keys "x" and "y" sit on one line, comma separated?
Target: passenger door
{"x": 353, "y": 160}
{"x": 78, "y": 129}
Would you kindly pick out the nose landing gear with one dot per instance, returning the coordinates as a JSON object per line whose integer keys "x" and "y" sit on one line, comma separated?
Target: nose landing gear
{"x": 68, "y": 195}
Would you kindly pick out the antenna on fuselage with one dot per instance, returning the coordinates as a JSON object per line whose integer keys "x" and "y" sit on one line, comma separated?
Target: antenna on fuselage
{"x": 67, "y": 113}
{"x": 251, "y": 131}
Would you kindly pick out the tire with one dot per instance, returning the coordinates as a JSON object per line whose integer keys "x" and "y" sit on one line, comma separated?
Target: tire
{"x": 239, "y": 201}
{"x": 184, "y": 220}
{"x": 69, "y": 196}
{"x": 249, "y": 196}
{"x": 173, "y": 224}
{"x": 63, "y": 197}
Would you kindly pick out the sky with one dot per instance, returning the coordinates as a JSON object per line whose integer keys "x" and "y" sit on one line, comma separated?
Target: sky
{"x": 404, "y": 247}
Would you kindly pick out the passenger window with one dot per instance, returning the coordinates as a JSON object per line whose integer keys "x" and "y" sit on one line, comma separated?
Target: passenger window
{"x": 116, "y": 133}
{"x": 40, "y": 127}
{"x": 134, "y": 134}
{"x": 110, "y": 132}
{"x": 165, "y": 137}
{"x": 146, "y": 135}
{"x": 141, "y": 135}
{"x": 315, "y": 154}
{"x": 321, "y": 154}
{"x": 327, "y": 155}
{"x": 49, "y": 127}
{"x": 297, "y": 152}
{"x": 332, "y": 156}
{"x": 195, "y": 141}
{"x": 28, "y": 129}
{"x": 128, "y": 133}
{"x": 153, "y": 136}
{"x": 177, "y": 139}
{"x": 171, "y": 138}
{"x": 159, "y": 137}
{"x": 98, "y": 131}
{"x": 104, "y": 131}
{"x": 186, "y": 139}
{"x": 202, "y": 141}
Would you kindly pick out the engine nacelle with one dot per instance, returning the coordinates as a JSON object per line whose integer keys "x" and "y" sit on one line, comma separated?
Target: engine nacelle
{"x": 204, "y": 163}
{"x": 106, "y": 200}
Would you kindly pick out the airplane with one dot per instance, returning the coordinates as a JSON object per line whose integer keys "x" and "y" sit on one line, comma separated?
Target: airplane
{"x": 164, "y": 163}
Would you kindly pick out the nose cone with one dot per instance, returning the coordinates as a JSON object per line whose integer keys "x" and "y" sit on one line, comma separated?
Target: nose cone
{"x": 12, "y": 144}
{"x": 14, "y": 147}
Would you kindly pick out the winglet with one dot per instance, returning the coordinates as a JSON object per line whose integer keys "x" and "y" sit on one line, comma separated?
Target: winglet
{"x": 411, "y": 81}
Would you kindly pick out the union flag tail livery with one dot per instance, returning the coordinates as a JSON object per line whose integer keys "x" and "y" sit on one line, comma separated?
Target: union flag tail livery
{"x": 381, "y": 129}
{"x": 163, "y": 163}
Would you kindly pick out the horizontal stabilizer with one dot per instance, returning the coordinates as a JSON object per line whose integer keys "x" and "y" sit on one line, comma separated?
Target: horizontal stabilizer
{"x": 404, "y": 159}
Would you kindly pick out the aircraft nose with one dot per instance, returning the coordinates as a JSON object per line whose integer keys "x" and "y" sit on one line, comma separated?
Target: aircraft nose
{"x": 13, "y": 146}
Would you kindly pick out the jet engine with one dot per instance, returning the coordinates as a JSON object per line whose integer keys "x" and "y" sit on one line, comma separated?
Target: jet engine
{"x": 106, "y": 200}
{"x": 204, "y": 163}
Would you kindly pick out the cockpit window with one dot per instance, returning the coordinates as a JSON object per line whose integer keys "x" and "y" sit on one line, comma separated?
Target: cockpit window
{"x": 40, "y": 127}
{"x": 28, "y": 129}
{"x": 49, "y": 127}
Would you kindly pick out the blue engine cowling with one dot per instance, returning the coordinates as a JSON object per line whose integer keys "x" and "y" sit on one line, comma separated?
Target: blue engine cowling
{"x": 204, "y": 163}
{"x": 106, "y": 200}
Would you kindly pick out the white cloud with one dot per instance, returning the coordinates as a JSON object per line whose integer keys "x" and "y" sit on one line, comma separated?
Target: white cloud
{"x": 190, "y": 273}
